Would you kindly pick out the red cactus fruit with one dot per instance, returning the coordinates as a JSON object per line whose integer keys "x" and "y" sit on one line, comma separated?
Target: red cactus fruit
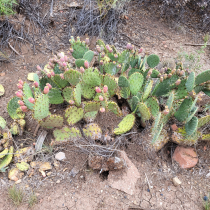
{"x": 19, "y": 94}
{"x": 115, "y": 55}
{"x": 101, "y": 98}
{"x": 101, "y": 62}
{"x": 36, "y": 84}
{"x": 169, "y": 75}
{"x": 178, "y": 82}
{"x": 62, "y": 76}
{"x": 52, "y": 73}
{"x": 21, "y": 103}
{"x": 128, "y": 46}
{"x": 71, "y": 50}
{"x": 38, "y": 68}
{"x": 71, "y": 102}
{"x": 19, "y": 86}
{"x": 64, "y": 64}
{"x": 23, "y": 108}
{"x": 165, "y": 76}
{"x": 98, "y": 90}
{"x": 48, "y": 75}
{"x": 132, "y": 47}
{"x": 98, "y": 49}
{"x": 62, "y": 59}
{"x": 118, "y": 66}
{"x": 166, "y": 111}
{"x": 105, "y": 88}
{"x": 46, "y": 90}
{"x": 65, "y": 58}
{"x": 178, "y": 71}
{"x": 181, "y": 73}
{"x": 114, "y": 62}
{"x": 49, "y": 85}
{"x": 102, "y": 55}
{"x": 110, "y": 50}
{"x": 31, "y": 100}
{"x": 82, "y": 70}
{"x": 140, "y": 50}
{"x": 86, "y": 64}
{"x": 161, "y": 79}
{"x": 102, "y": 109}
{"x": 107, "y": 47}
{"x": 20, "y": 81}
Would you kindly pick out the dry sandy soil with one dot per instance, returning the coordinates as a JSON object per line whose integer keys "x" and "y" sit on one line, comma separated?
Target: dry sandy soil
{"x": 89, "y": 190}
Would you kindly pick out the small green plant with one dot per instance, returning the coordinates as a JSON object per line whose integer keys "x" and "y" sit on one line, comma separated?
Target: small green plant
{"x": 16, "y": 195}
{"x": 32, "y": 200}
{"x": 192, "y": 61}
{"x": 6, "y": 7}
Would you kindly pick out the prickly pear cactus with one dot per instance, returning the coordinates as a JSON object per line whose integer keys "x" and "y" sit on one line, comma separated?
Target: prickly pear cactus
{"x": 92, "y": 131}
{"x": 91, "y": 106}
{"x": 72, "y": 76}
{"x": 89, "y": 117}
{"x": 2, "y": 122}
{"x": 136, "y": 81}
{"x": 74, "y": 115}
{"x": 12, "y": 107}
{"x": 113, "y": 107}
{"x": 153, "y": 60}
{"x": 55, "y": 96}
{"x": 52, "y": 121}
{"x": 7, "y": 159}
{"x": 68, "y": 94}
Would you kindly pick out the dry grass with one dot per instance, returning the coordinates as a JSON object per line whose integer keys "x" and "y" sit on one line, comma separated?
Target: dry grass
{"x": 16, "y": 195}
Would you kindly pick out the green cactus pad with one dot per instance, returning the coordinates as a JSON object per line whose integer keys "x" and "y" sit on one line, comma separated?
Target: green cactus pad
{"x": 88, "y": 56}
{"x": 2, "y": 91}
{"x": 23, "y": 166}
{"x": 72, "y": 76}
{"x": 91, "y": 106}
{"x": 62, "y": 83}
{"x": 89, "y": 117}
{"x": 113, "y": 107}
{"x": 125, "y": 125}
{"x": 145, "y": 112}
{"x": 27, "y": 94}
{"x": 153, "y": 105}
{"x": 73, "y": 115}
{"x": 181, "y": 92}
{"x": 2, "y": 122}
{"x": 92, "y": 131}
{"x": 111, "y": 84}
{"x": 12, "y": 106}
{"x": 203, "y": 121}
{"x": 14, "y": 129}
{"x": 55, "y": 96}
{"x": 7, "y": 159}
{"x": 123, "y": 82}
{"x": 182, "y": 113}
{"x": 4, "y": 152}
{"x": 125, "y": 67}
{"x": 202, "y": 77}
{"x": 190, "y": 82}
{"x": 87, "y": 91}
{"x": 57, "y": 69}
{"x": 111, "y": 68}
{"x": 142, "y": 65}
{"x": 77, "y": 94}
{"x": 68, "y": 94}
{"x": 44, "y": 80}
{"x": 111, "y": 56}
{"x": 147, "y": 90}
{"x": 52, "y": 121}
{"x": 170, "y": 100}
{"x": 80, "y": 63}
{"x": 124, "y": 57}
{"x": 20, "y": 114}
{"x": 134, "y": 103}
{"x": 153, "y": 60}
{"x": 125, "y": 92}
{"x": 155, "y": 73}
{"x": 132, "y": 71}
{"x": 67, "y": 134}
{"x": 79, "y": 50}
{"x": 33, "y": 77}
{"x": 207, "y": 92}
{"x": 91, "y": 77}
{"x": 133, "y": 61}
{"x": 41, "y": 107}
{"x": 136, "y": 80}
{"x": 191, "y": 126}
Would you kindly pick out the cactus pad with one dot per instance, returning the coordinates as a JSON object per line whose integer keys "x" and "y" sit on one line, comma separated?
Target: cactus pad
{"x": 55, "y": 96}
{"x": 134, "y": 103}
{"x": 92, "y": 131}
{"x": 12, "y": 106}
{"x": 77, "y": 94}
{"x": 132, "y": 71}
{"x": 88, "y": 56}
{"x": 170, "y": 101}
{"x": 91, "y": 78}
{"x": 27, "y": 94}
{"x": 68, "y": 93}
{"x": 62, "y": 83}
{"x": 57, "y": 69}
{"x": 41, "y": 107}
{"x": 111, "y": 84}
{"x": 113, "y": 107}
{"x": 89, "y": 117}
{"x": 2, "y": 122}
{"x": 125, "y": 92}
{"x": 202, "y": 77}
{"x": 80, "y": 63}
{"x": 2, "y": 90}
{"x": 4, "y": 152}
{"x": 72, "y": 76}
{"x": 91, "y": 106}
{"x": 87, "y": 91}
{"x": 153, "y": 60}
{"x": 44, "y": 80}
{"x": 52, "y": 121}
{"x": 136, "y": 80}
{"x": 153, "y": 105}
{"x": 14, "y": 129}
{"x": 66, "y": 134}
{"x": 203, "y": 120}
{"x": 123, "y": 82}
{"x": 124, "y": 57}
{"x": 73, "y": 115}
{"x": 145, "y": 112}
{"x": 147, "y": 90}
{"x": 7, "y": 159}
{"x": 125, "y": 125}
{"x": 23, "y": 166}
{"x": 190, "y": 82}
{"x": 111, "y": 68}
{"x": 191, "y": 126}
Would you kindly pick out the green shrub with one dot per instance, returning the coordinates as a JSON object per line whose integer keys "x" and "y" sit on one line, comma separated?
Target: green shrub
{"x": 6, "y": 7}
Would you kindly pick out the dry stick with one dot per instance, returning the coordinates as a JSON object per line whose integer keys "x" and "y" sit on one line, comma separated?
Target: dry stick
{"x": 14, "y": 49}
{"x": 147, "y": 181}
{"x": 196, "y": 44}
{"x": 51, "y": 9}
{"x": 37, "y": 128}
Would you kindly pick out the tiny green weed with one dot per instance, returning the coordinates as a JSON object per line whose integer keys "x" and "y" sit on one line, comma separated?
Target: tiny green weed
{"x": 16, "y": 195}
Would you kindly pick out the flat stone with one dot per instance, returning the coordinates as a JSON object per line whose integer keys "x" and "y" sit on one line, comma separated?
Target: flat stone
{"x": 176, "y": 181}
{"x": 124, "y": 180}
{"x": 60, "y": 156}
{"x": 186, "y": 157}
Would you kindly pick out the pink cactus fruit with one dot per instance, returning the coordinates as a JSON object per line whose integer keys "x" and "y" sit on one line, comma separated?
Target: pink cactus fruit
{"x": 87, "y": 41}
{"x": 19, "y": 94}
{"x": 71, "y": 50}
{"x": 51, "y": 65}
{"x": 86, "y": 64}
{"x": 98, "y": 90}
{"x": 107, "y": 47}
{"x": 102, "y": 109}
{"x": 140, "y": 50}
{"x": 23, "y": 108}
{"x": 38, "y": 68}
{"x": 62, "y": 76}
{"x": 46, "y": 90}
{"x": 82, "y": 70}
{"x": 52, "y": 73}
{"x": 31, "y": 100}
{"x": 20, "y": 81}
{"x": 102, "y": 55}
{"x": 49, "y": 85}
{"x": 132, "y": 47}
{"x": 128, "y": 46}
{"x": 178, "y": 82}
{"x": 101, "y": 98}
{"x": 105, "y": 88}
{"x": 21, "y": 103}
{"x": 101, "y": 62}
{"x": 36, "y": 84}
{"x": 66, "y": 58}
{"x": 115, "y": 55}
{"x": 166, "y": 111}
{"x": 98, "y": 48}
{"x": 118, "y": 66}
{"x": 110, "y": 50}
{"x": 62, "y": 59}
{"x": 48, "y": 75}
{"x": 71, "y": 102}
{"x": 19, "y": 86}
{"x": 61, "y": 54}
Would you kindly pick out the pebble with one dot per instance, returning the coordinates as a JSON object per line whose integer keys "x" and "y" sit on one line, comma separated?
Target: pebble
{"x": 60, "y": 156}
{"x": 176, "y": 181}
{"x": 205, "y": 198}
{"x": 58, "y": 181}
{"x": 148, "y": 190}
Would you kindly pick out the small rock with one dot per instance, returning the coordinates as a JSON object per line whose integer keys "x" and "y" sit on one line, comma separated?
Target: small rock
{"x": 60, "y": 156}
{"x": 174, "y": 127}
{"x": 176, "y": 181}
{"x": 58, "y": 181}
{"x": 208, "y": 175}
{"x": 186, "y": 157}
{"x": 3, "y": 182}
{"x": 73, "y": 172}
{"x": 205, "y": 198}
{"x": 18, "y": 181}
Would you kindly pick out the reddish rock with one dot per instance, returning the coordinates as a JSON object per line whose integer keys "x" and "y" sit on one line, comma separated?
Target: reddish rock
{"x": 174, "y": 127}
{"x": 186, "y": 157}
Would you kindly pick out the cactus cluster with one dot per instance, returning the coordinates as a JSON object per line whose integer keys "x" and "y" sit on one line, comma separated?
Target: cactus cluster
{"x": 153, "y": 95}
